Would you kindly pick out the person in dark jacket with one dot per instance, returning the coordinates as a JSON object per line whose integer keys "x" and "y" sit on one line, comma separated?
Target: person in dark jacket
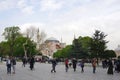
{"x": 82, "y": 65}
{"x": 110, "y": 67}
{"x": 24, "y": 61}
{"x": 32, "y": 62}
{"x": 74, "y": 62}
{"x": 54, "y": 63}
{"x": 13, "y": 63}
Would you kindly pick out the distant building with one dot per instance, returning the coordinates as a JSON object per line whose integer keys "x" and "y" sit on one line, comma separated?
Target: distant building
{"x": 117, "y": 51}
{"x": 51, "y": 45}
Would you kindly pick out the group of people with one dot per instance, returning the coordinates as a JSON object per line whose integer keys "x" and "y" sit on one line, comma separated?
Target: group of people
{"x": 117, "y": 65}
{"x": 112, "y": 66}
{"x": 29, "y": 60}
{"x": 54, "y": 63}
{"x": 10, "y": 63}
{"x": 74, "y": 63}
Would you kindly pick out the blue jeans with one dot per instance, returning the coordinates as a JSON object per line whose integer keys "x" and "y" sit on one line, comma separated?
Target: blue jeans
{"x": 94, "y": 69}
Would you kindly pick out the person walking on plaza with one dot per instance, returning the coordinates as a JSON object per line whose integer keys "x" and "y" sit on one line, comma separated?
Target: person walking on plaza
{"x": 70, "y": 63}
{"x": 118, "y": 66}
{"x": 110, "y": 67}
{"x": 74, "y": 63}
{"x": 32, "y": 62}
{"x": 66, "y": 65}
{"x": 54, "y": 63}
{"x": 13, "y": 64}
{"x": 24, "y": 61}
{"x": 94, "y": 62}
{"x": 82, "y": 65}
{"x": 8, "y": 64}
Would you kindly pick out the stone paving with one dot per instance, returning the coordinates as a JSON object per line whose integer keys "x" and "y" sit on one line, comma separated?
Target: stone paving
{"x": 42, "y": 72}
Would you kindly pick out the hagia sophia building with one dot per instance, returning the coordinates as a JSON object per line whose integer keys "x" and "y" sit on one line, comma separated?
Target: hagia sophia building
{"x": 51, "y": 45}
{"x": 117, "y": 51}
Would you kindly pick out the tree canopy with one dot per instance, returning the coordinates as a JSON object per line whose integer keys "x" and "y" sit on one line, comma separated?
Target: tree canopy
{"x": 10, "y": 34}
{"x": 16, "y": 44}
{"x": 98, "y": 44}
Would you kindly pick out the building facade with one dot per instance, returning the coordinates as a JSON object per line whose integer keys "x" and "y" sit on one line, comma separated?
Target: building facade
{"x": 117, "y": 51}
{"x": 51, "y": 45}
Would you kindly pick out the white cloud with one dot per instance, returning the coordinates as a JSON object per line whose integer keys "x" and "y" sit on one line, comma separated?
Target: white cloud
{"x": 23, "y": 27}
{"x": 47, "y": 5}
{"x": 25, "y": 8}
{"x": 28, "y": 10}
{"x": 17, "y": 4}
{"x": 21, "y": 3}
{"x": 7, "y": 4}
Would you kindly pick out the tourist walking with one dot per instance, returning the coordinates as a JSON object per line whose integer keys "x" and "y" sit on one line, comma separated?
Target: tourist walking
{"x": 117, "y": 66}
{"x": 74, "y": 63}
{"x": 66, "y": 65}
{"x": 8, "y": 64}
{"x": 54, "y": 63}
{"x": 110, "y": 67}
{"x": 24, "y": 61}
{"x": 82, "y": 65}
{"x": 70, "y": 63}
{"x": 94, "y": 62}
{"x": 32, "y": 62}
{"x": 13, "y": 64}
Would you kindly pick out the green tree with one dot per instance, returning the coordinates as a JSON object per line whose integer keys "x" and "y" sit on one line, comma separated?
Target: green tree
{"x": 31, "y": 48}
{"x": 109, "y": 54}
{"x": 67, "y": 51}
{"x": 58, "y": 54}
{"x": 64, "y": 53}
{"x": 19, "y": 47}
{"x": 23, "y": 44}
{"x": 4, "y": 48}
{"x": 98, "y": 44}
{"x": 10, "y": 34}
{"x": 85, "y": 42}
{"x": 77, "y": 49}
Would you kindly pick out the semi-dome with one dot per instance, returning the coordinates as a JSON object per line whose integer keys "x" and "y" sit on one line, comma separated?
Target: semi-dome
{"x": 52, "y": 39}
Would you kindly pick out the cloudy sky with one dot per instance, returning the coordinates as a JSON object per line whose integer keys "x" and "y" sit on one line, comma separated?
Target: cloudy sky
{"x": 64, "y": 18}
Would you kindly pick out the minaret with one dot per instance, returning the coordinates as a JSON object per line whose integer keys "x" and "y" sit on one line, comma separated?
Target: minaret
{"x": 74, "y": 37}
{"x": 61, "y": 40}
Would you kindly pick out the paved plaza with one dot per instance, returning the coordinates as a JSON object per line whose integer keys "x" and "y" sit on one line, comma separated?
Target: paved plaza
{"x": 42, "y": 72}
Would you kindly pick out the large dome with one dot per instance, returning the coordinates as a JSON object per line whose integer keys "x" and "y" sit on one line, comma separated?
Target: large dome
{"x": 52, "y": 39}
